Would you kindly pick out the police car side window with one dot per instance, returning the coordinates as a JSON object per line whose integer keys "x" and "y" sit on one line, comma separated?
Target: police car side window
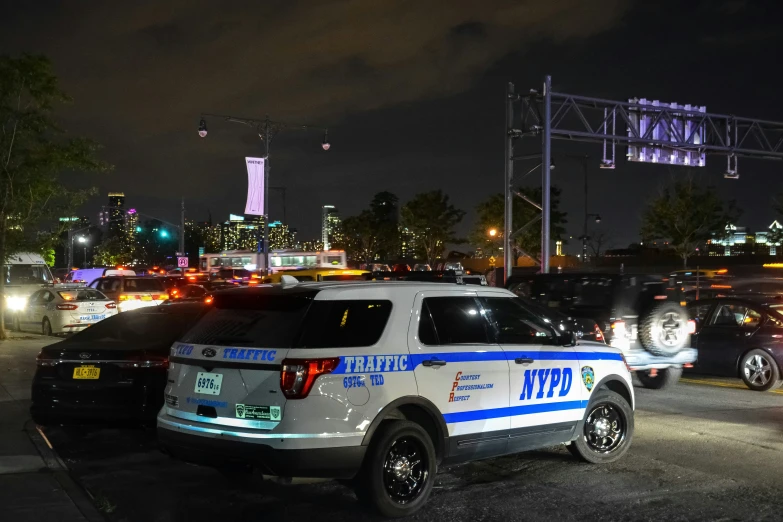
{"x": 458, "y": 320}
{"x": 516, "y": 324}
{"x": 427, "y": 333}
{"x": 344, "y": 324}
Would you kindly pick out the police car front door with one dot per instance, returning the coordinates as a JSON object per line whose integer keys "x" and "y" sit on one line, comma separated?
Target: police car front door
{"x": 460, "y": 369}
{"x": 546, "y": 399}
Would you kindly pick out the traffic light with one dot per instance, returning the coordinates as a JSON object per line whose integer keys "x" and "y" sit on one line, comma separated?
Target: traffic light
{"x": 138, "y": 229}
{"x": 164, "y": 233}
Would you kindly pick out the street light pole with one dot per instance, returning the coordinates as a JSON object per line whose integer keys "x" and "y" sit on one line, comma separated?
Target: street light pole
{"x": 267, "y": 129}
{"x": 508, "y": 191}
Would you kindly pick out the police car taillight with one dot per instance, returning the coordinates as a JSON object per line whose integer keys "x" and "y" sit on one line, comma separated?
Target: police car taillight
{"x": 298, "y": 375}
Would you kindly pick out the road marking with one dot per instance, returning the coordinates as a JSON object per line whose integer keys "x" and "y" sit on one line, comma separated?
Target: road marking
{"x": 724, "y": 385}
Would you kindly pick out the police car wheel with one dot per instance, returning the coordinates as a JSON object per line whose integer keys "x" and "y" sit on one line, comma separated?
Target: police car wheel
{"x": 608, "y": 429}
{"x": 399, "y": 469}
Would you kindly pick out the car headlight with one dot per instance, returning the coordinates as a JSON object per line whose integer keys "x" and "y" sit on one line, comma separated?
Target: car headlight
{"x": 15, "y": 303}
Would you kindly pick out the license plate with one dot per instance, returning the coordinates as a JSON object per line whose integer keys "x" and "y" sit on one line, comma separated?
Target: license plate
{"x": 208, "y": 383}
{"x": 86, "y": 372}
{"x": 94, "y": 317}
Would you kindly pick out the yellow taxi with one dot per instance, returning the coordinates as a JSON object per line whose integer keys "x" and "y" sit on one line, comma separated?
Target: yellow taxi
{"x": 319, "y": 274}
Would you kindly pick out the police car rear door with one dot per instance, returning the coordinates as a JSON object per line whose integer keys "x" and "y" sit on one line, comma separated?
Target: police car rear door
{"x": 546, "y": 397}
{"x": 461, "y": 370}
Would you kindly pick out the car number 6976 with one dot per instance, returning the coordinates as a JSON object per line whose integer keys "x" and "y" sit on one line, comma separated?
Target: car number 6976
{"x": 208, "y": 383}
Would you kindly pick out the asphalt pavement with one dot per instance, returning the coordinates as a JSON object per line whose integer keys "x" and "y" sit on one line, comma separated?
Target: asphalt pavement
{"x": 709, "y": 449}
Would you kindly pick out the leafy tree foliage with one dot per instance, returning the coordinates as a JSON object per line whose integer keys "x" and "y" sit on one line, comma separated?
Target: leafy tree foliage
{"x": 686, "y": 215}
{"x": 33, "y": 152}
{"x": 432, "y": 219}
{"x": 528, "y": 242}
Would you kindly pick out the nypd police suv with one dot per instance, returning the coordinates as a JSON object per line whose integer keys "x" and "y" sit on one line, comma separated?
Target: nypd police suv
{"x": 382, "y": 382}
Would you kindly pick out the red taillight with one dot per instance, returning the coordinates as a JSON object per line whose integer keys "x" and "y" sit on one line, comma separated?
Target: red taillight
{"x": 691, "y": 326}
{"x": 145, "y": 361}
{"x": 111, "y": 305}
{"x": 45, "y": 360}
{"x": 599, "y": 335}
{"x": 298, "y": 375}
{"x": 67, "y": 306}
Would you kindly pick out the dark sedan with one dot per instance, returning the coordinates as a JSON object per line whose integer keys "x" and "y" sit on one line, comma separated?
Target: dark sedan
{"x": 113, "y": 371}
{"x": 740, "y": 338}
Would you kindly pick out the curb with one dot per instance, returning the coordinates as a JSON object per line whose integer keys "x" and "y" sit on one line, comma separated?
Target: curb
{"x": 79, "y": 495}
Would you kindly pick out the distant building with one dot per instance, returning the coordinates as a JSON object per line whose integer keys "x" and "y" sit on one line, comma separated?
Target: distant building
{"x": 116, "y": 214}
{"x": 131, "y": 226}
{"x": 409, "y": 243}
{"x": 314, "y": 245}
{"x": 330, "y": 226}
{"x": 280, "y": 236}
{"x": 738, "y": 241}
{"x": 242, "y": 233}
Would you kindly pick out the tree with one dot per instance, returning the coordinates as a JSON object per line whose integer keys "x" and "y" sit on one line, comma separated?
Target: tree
{"x": 113, "y": 251}
{"x": 33, "y": 152}
{"x": 360, "y": 237}
{"x": 686, "y": 215}
{"x": 383, "y": 208}
{"x": 431, "y": 218}
{"x": 528, "y": 242}
{"x": 598, "y": 243}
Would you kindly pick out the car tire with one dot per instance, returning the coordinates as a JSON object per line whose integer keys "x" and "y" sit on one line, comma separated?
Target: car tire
{"x": 46, "y": 327}
{"x": 759, "y": 371}
{"x": 663, "y": 330}
{"x": 664, "y": 378}
{"x": 400, "y": 452}
{"x": 607, "y": 413}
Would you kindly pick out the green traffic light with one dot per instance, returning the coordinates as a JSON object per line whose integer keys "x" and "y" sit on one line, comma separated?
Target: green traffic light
{"x": 164, "y": 233}
{"x": 138, "y": 229}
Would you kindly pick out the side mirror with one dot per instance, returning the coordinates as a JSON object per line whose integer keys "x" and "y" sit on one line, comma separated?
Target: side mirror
{"x": 568, "y": 338}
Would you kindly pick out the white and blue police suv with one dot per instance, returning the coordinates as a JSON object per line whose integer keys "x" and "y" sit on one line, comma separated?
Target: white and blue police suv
{"x": 381, "y": 382}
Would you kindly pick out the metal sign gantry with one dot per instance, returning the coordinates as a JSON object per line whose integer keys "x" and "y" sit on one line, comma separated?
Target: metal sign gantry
{"x": 549, "y": 115}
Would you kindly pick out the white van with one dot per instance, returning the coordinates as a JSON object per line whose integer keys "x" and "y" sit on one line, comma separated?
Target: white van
{"x": 24, "y": 273}
{"x": 88, "y": 275}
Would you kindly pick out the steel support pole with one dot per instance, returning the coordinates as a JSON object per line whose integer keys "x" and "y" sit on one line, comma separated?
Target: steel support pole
{"x": 267, "y": 168}
{"x": 182, "y": 229}
{"x": 546, "y": 163}
{"x": 70, "y": 248}
{"x": 584, "y": 233}
{"x": 508, "y": 253}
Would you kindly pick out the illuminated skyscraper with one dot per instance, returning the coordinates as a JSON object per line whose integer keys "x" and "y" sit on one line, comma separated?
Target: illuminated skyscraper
{"x": 116, "y": 213}
{"x": 330, "y": 225}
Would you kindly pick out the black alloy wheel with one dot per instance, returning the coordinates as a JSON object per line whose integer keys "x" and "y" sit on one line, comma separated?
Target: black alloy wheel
{"x": 604, "y": 428}
{"x": 607, "y": 429}
{"x": 404, "y": 470}
{"x": 399, "y": 469}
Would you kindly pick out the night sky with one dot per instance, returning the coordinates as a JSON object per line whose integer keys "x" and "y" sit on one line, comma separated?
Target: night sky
{"x": 412, "y": 92}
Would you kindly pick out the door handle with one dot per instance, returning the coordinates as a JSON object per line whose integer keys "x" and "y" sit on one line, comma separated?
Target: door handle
{"x": 433, "y": 362}
{"x": 519, "y": 360}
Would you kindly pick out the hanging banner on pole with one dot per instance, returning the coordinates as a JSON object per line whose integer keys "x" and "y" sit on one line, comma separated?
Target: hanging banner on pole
{"x": 255, "y": 186}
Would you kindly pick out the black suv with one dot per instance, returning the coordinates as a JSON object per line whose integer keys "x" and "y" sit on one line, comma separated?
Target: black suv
{"x": 634, "y": 311}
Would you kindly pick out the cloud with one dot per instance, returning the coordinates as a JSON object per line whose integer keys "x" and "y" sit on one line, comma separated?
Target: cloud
{"x": 311, "y": 59}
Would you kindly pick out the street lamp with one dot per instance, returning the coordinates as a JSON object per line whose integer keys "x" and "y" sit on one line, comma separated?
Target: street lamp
{"x": 84, "y": 241}
{"x": 493, "y": 232}
{"x": 267, "y": 129}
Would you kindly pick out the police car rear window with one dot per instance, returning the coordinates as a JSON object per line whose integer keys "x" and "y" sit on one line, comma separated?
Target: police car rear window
{"x": 344, "y": 324}
{"x": 251, "y": 319}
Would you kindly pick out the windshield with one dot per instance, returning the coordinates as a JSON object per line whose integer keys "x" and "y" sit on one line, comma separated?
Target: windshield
{"x": 143, "y": 285}
{"x": 140, "y": 327}
{"x": 27, "y": 274}
{"x": 87, "y": 294}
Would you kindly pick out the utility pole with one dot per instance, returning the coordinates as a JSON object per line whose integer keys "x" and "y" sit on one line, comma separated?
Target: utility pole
{"x": 546, "y": 163}
{"x": 182, "y": 228}
{"x": 266, "y": 130}
{"x": 508, "y": 191}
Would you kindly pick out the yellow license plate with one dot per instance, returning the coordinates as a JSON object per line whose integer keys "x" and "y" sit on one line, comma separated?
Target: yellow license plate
{"x": 86, "y": 372}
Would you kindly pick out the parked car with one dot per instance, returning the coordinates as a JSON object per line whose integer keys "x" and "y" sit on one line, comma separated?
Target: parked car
{"x": 115, "y": 370}
{"x": 739, "y": 337}
{"x": 422, "y": 267}
{"x": 336, "y": 381}
{"x": 132, "y": 292}
{"x": 60, "y": 309}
